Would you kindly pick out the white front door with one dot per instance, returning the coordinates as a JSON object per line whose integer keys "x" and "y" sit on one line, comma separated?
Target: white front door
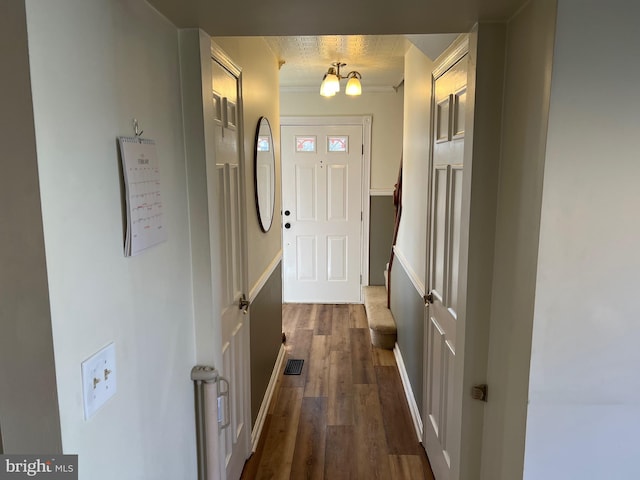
{"x": 235, "y": 410}
{"x": 443, "y": 266}
{"x": 322, "y": 169}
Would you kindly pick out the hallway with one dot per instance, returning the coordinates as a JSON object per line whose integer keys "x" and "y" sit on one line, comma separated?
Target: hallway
{"x": 346, "y": 415}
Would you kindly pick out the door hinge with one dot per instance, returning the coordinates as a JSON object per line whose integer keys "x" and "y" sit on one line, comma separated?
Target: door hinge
{"x": 428, "y": 298}
{"x": 360, "y": 216}
{"x": 479, "y": 392}
{"x": 362, "y": 149}
{"x": 360, "y": 279}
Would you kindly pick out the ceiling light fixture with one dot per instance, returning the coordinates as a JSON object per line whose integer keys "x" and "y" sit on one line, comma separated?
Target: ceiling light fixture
{"x": 331, "y": 81}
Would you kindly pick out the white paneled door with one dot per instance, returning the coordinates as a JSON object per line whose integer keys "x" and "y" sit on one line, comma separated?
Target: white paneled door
{"x": 443, "y": 266}
{"x": 235, "y": 407}
{"x": 322, "y": 168}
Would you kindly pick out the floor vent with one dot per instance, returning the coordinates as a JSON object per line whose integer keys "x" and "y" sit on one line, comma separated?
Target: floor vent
{"x": 294, "y": 367}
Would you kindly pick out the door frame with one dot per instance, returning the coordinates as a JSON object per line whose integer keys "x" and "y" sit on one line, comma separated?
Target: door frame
{"x": 482, "y": 153}
{"x": 458, "y": 49}
{"x": 219, "y": 55}
{"x": 351, "y": 120}
{"x": 225, "y": 60}
{"x": 197, "y": 51}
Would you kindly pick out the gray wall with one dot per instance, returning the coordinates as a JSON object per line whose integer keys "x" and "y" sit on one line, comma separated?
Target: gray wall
{"x": 29, "y": 416}
{"x": 266, "y": 337}
{"x": 407, "y": 307}
{"x": 382, "y": 216}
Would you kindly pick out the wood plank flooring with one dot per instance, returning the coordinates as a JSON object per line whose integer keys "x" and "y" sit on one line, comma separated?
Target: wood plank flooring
{"x": 345, "y": 416}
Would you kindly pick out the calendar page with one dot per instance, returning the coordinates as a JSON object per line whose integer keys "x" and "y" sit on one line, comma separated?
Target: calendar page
{"x": 145, "y": 220}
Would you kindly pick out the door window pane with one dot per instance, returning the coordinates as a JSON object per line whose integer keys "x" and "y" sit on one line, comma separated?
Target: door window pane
{"x": 305, "y": 143}
{"x": 263, "y": 143}
{"x": 338, "y": 144}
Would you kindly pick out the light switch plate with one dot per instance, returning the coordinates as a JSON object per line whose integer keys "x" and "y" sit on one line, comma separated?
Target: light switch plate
{"x": 98, "y": 379}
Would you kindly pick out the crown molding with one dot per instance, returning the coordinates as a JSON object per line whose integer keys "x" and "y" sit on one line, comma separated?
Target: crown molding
{"x": 316, "y": 89}
{"x": 458, "y": 49}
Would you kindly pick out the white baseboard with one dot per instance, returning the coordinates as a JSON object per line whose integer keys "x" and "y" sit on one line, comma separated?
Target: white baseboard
{"x": 408, "y": 392}
{"x": 264, "y": 407}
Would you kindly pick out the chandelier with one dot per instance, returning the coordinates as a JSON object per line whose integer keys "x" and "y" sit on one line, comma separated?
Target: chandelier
{"x": 331, "y": 81}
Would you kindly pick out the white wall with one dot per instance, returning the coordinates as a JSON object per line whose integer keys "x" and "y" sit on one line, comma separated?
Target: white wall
{"x": 386, "y": 126}
{"x": 260, "y": 98}
{"x": 95, "y": 66}
{"x": 412, "y": 236}
{"x": 584, "y": 388}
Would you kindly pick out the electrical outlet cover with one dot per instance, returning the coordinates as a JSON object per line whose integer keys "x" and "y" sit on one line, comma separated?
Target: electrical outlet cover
{"x": 98, "y": 379}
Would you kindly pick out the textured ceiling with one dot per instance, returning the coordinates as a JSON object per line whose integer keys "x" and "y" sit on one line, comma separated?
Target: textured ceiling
{"x": 365, "y": 34}
{"x": 378, "y": 58}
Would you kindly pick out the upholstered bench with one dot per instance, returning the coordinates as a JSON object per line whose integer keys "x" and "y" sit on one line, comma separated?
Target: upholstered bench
{"x": 381, "y": 322}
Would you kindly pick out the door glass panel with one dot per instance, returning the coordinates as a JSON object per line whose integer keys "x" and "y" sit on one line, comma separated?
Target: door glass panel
{"x": 338, "y": 144}
{"x": 264, "y": 143}
{"x": 305, "y": 143}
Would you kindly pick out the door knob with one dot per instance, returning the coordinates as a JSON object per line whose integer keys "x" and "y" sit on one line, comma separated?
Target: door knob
{"x": 287, "y": 225}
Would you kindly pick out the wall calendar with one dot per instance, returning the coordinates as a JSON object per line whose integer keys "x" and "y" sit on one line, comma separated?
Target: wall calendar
{"x": 145, "y": 217}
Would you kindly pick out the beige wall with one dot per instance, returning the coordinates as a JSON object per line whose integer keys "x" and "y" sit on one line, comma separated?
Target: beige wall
{"x": 584, "y": 389}
{"x": 412, "y": 236}
{"x": 386, "y": 126}
{"x": 260, "y": 94}
{"x": 260, "y": 98}
{"x": 94, "y": 67}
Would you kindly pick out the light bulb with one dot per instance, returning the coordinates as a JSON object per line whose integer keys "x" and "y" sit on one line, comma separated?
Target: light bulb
{"x": 332, "y": 81}
{"x": 353, "y": 85}
{"x": 325, "y": 88}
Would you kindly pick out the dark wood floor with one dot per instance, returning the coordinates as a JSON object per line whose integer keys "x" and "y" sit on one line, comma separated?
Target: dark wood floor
{"x": 345, "y": 416}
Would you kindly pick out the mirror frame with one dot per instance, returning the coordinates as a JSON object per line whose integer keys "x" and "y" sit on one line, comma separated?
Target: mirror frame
{"x": 263, "y": 227}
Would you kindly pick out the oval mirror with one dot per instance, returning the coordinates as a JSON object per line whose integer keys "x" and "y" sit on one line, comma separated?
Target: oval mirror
{"x": 265, "y": 173}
